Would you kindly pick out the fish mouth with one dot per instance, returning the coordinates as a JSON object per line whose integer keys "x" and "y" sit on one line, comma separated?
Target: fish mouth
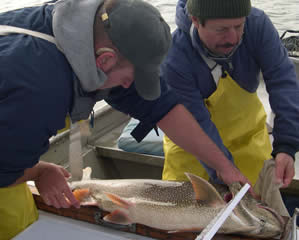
{"x": 275, "y": 214}
{"x": 266, "y": 227}
{"x": 267, "y": 222}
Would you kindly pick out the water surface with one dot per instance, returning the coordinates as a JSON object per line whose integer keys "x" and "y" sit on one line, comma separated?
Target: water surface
{"x": 283, "y": 13}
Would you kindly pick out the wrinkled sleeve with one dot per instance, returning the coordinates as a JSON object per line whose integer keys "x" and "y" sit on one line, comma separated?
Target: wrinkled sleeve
{"x": 34, "y": 100}
{"x": 23, "y": 139}
{"x": 147, "y": 112}
{"x": 282, "y": 84}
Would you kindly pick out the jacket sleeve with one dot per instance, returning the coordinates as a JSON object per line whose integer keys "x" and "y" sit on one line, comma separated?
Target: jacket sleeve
{"x": 282, "y": 85}
{"x": 34, "y": 100}
{"x": 180, "y": 72}
{"x": 147, "y": 112}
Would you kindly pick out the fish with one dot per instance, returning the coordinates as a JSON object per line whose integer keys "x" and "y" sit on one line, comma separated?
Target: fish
{"x": 176, "y": 206}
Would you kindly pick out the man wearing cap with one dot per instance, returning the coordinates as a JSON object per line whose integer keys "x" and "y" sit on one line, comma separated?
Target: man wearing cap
{"x": 217, "y": 53}
{"x": 60, "y": 59}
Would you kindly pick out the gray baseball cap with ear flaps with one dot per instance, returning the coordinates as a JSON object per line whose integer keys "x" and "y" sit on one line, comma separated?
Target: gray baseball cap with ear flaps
{"x": 139, "y": 32}
{"x": 135, "y": 27}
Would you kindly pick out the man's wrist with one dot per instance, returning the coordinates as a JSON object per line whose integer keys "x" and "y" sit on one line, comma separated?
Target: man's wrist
{"x": 285, "y": 150}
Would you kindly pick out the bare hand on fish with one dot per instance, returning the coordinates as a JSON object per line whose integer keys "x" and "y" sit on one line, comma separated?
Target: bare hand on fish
{"x": 53, "y": 187}
{"x": 284, "y": 169}
{"x": 234, "y": 175}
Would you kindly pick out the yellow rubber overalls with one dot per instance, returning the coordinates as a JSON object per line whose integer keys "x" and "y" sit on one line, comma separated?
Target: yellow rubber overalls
{"x": 17, "y": 207}
{"x": 17, "y": 210}
{"x": 241, "y": 122}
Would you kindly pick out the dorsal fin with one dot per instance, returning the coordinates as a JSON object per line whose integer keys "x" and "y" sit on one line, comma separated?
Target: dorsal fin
{"x": 204, "y": 191}
{"x": 86, "y": 173}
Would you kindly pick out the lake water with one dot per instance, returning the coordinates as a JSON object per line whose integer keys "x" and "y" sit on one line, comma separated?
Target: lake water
{"x": 283, "y": 13}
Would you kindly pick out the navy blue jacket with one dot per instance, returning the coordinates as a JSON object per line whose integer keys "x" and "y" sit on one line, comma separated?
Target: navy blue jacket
{"x": 261, "y": 50}
{"x": 36, "y": 94}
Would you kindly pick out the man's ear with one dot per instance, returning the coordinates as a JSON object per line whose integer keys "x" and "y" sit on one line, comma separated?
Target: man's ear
{"x": 106, "y": 60}
{"x": 195, "y": 21}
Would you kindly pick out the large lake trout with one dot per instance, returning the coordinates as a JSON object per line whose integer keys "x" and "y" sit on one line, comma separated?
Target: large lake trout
{"x": 177, "y": 206}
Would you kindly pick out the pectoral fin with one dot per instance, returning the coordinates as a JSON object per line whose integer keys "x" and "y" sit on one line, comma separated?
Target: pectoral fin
{"x": 118, "y": 200}
{"x": 83, "y": 196}
{"x": 118, "y": 217}
{"x": 204, "y": 191}
{"x": 80, "y": 194}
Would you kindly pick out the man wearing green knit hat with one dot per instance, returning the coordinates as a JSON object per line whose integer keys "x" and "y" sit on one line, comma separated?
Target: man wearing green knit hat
{"x": 219, "y": 8}
{"x": 219, "y": 49}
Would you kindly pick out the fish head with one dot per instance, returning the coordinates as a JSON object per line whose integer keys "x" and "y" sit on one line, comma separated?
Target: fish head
{"x": 250, "y": 217}
{"x": 268, "y": 223}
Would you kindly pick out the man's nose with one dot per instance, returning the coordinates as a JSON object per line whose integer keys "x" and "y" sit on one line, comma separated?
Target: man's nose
{"x": 127, "y": 83}
{"x": 232, "y": 36}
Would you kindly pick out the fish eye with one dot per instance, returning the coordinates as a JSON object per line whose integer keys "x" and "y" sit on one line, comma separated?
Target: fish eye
{"x": 228, "y": 197}
{"x": 263, "y": 222}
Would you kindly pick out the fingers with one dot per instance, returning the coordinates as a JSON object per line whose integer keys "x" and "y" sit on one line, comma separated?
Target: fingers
{"x": 54, "y": 202}
{"x": 64, "y": 199}
{"x": 253, "y": 194}
{"x": 284, "y": 169}
{"x": 288, "y": 177}
{"x": 279, "y": 172}
{"x": 53, "y": 187}
{"x": 65, "y": 173}
{"x": 243, "y": 181}
{"x": 51, "y": 200}
{"x": 72, "y": 200}
{"x": 238, "y": 177}
{"x": 46, "y": 200}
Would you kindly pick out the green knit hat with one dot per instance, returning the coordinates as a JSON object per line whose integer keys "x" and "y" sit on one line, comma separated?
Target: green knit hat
{"x": 219, "y": 8}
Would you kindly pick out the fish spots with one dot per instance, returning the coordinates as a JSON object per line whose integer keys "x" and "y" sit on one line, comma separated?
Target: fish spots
{"x": 178, "y": 206}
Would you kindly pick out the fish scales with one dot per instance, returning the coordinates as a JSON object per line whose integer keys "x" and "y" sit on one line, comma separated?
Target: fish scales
{"x": 178, "y": 206}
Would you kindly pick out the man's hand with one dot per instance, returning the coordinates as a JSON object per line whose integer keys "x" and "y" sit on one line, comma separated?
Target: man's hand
{"x": 284, "y": 169}
{"x": 52, "y": 186}
{"x": 229, "y": 176}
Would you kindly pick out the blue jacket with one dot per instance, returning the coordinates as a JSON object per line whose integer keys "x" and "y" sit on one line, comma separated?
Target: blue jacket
{"x": 261, "y": 50}
{"x": 36, "y": 94}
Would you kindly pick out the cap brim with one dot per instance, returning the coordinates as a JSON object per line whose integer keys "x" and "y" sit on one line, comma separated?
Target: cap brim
{"x": 147, "y": 83}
